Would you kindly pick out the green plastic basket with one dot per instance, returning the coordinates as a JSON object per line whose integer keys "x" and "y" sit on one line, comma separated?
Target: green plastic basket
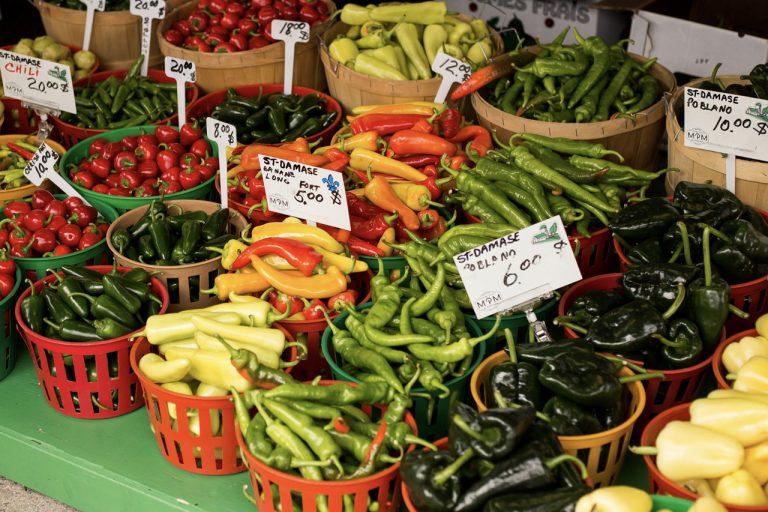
{"x": 432, "y": 420}
{"x": 9, "y": 335}
{"x": 670, "y": 503}
{"x": 517, "y": 323}
{"x": 390, "y": 262}
{"x": 97, "y": 254}
{"x": 119, "y": 203}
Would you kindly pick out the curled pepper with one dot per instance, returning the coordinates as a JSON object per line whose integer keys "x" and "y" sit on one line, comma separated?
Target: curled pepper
{"x": 364, "y": 160}
{"x": 301, "y": 256}
{"x": 379, "y": 192}
{"x": 315, "y": 287}
{"x": 480, "y": 137}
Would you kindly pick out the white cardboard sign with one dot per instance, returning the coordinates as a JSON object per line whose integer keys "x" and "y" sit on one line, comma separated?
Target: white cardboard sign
{"x": 37, "y": 81}
{"x": 43, "y": 167}
{"x": 225, "y": 136}
{"x": 290, "y": 32}
{"x": 147, "y": 10}
{"x": 304, "y": 191}
{"x": 453, "y": 71}
{"x": 518, "y": 267}
{"x": 91, "y": 6}
{"x": 182, "y": 71}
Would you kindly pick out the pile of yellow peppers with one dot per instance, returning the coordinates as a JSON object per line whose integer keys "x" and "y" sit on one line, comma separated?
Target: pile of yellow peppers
{"x": 622, "y": 498}
{"x": 747, "y": 360}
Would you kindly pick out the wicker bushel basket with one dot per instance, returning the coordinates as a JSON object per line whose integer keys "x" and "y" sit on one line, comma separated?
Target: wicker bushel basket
{"x": 183, "y": 291}
{"x": 353, "y": 89}
{"x": 700, "y": 166}
{"x": 636, "y": 139}
{"x": 262, "y": 66}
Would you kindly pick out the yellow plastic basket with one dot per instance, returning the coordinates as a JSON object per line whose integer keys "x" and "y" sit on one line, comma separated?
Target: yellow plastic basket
{"x": 28, "y": 189}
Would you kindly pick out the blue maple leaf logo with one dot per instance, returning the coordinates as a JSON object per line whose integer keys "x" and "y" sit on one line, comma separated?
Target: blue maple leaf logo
{"x": 331, "y": 183}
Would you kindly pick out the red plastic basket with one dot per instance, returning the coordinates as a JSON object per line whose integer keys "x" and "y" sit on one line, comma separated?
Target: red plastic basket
{"x": 383, "y": 486}
{"x": 22, "y": 120}
{"x": 315, "y": 364}
{"x": 717, "y": 359}
{"x": 70, "y": 134}
{"x": 658, "y": 483}
{"x": 595, "y": 255}
{"x": 210, "y": 453}
{"x": 205, "y": 105}
{"x": 115, "y": 389}
{"x": 442, "y": 444}
{"x": 679, "y": 386}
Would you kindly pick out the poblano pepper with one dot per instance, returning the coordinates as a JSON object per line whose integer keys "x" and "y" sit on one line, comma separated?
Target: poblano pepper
{"x": 570, "y": 419}
{"x": 644, "y": 220}
{"x": 514, "y": 382}
{"x": 499, "y": 431}
{"x": 433, "y": 479}
{"x": 657, "y": 283}
{"x": 704, "y": 202}
{"x": 682, "y": 343}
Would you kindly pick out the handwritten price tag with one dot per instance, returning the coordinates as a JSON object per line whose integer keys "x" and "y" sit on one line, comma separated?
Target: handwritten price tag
{"x": 311, "y": 193}
{"x": 91, "y": 6}
{"x": 43, "y": 167}
{"x": 147, "y": 10}
{"x": 517, "y": 268}
{"x": 452, "y": 70}
{"x": 225, "y": 136}
{"x": 290, "y": 32}
{"x": 182, "y": 71}
{"x": 40, "y": 82}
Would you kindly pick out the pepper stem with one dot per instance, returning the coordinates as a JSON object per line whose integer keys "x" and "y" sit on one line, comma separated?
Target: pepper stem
{"x": 576, "y": 328}
{"x": 686, "y": 243}
{"x": 248, "y": 496}
{"x": 707, "y": 263}
{"x": 641, "y": 376}
{"x": 679, "y": 299}
{"x": 413, "y": 379}
{"x": 488, "y": 335}
{"x": 276, "y": 318}
{"x": 466, "y": 429}
{"x": 732, "y": 376}
{"x": 412, "y": 439}
{"x": 552, "y": 463}
{"x": 510, "y": 345}
{"x": 676, "y": 254}
{"x": 644, "y": 450}
{"x": 500, "y": 400}
{"x": 448, "y": 471}
{"x": 632, "y": 366}
{"x": 668, "y": 342}
{"x": 738, "y": 312}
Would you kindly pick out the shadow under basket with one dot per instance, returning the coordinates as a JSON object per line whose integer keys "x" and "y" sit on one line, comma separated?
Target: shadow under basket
{"x": 86, "y": 380}
{"x": 275, "y": 490}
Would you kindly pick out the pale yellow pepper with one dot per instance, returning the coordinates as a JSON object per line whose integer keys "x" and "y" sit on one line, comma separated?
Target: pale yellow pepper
{"x": 756, "y": 462}
{"x": 161, "y": 371}
{"x": 737, "y": 354}
{"x": 266, "y": 338}
{"x": 268, "y": 358}
{"x": 761, "y": 326}
{"x": 746, "y": 421}
{"x": 707, "y": 504}
{"x": 619, "y": 498}
{"x": 752, "y": 377}
{"x": 178, "y": 326}
{"x": 344, "y": 263}
{"x": 740, "y": 488}
{"x": 189, "y": 343}
{"x": 177, "y": 387}
{"x": 209, "y": 367}
{"x": 732, "y": 393}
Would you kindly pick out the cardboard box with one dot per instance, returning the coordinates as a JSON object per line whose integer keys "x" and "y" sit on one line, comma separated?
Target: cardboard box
{"x": 545, "y": 19}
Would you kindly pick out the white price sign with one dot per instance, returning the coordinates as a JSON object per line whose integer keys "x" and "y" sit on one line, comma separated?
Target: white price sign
{"x": 311, "y": 193}
{"x": 147, "y": 10}
{"x": 726, "y": 123}
{"x": 182, "y": 71}
{"x": 43, "y": 167}
{"x": 91, "y": 6}
{"x": 453, "y": 71}
{"x": 518, "y": 267}
{"x": 290, "y": 32}
{"x": 225, "y": 136}
{"x": 37, "y": 81}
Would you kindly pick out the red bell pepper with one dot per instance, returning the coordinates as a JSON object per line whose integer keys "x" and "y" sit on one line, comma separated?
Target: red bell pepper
{"x": 384, "y": 124}
{"x": 301, "y": 256}
{"x": 410, "y": 142}
{"x": 480, "y": 137}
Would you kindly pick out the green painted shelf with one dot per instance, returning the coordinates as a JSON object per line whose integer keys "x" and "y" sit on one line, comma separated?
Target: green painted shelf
{"x": 114, "y": 465}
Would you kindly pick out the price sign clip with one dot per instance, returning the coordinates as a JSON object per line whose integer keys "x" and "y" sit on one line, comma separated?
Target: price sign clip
{"x": 452, "y": 70}
{"x": 225, "y": 136}
{"x": 42, "y": 167}
{"x": 290, "y": 32}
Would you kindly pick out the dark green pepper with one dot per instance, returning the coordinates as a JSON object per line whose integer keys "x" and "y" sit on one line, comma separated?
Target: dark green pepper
{"x": 74, "y": 330}
{"x": 707, "y": 203}
{"x": 121, "y": 239}
{"x": 682, "y": 344}
{"x": 56, "y": 307}
{"x": 645, "y": 219}
{"x": 116, "y": 289}
{"x": 69, "y": 291}
{"x": 570, "y": 419}
{"x": 657, "y": 283}
{"x": 276, "y": 119}
{"x": 160, "y": 232}
{"x": 156, "y": 207}
{"x": 146, "y": 249}
{"x": 513, "y": 382}
{"x": 748, "y": 239}
{"x": 216, "y": 225}
{"x": 433, "y": 479}
{"x": 177, "y": 221}
{"x": 538, "y": 353}
{"x": 33, "y": 310}
{"x": 645, "y": 252}
{"x": 708, "y": 301}
{"x": 108, "y": 328}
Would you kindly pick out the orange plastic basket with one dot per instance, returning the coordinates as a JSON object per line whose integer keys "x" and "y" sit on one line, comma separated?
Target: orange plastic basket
{"x": 442, "y": 444}
{"x": 717, "y": 359}
{"x": 271, "y": 486}
{"x": 678, "y": 386}
{"x": 604, "y": 452}
{"x": 87, "y": 380}
{"x": 659, "y": 484}
{"x": 210, "y": 453}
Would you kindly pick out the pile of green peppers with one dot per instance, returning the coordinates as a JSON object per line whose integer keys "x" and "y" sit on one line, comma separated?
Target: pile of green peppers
{"x": 167, "y": 236}
{"x": 84, "y": 305}
{"x": 133, "y": 101}
{"x": 657, "y": 230}
{"x": 111, "y": 5}
{"x": 274, "y": 118}
{"x": 498, "y": 460}
{"x": 575, "y": 389}
{"x": 586, "y": 82}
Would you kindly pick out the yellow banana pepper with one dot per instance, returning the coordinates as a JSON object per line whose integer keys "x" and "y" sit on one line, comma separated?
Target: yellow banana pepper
{"x": 752, "y": 377}
{"x": 688, "y": 452}
{"x": 230, "y": 252}
{"x": 730, "y": 393}
{"x": 415, "y": 196}
{"x": 189, "y": 343}
{"x": 746, "y": 421}
{"x": 240, "y": 282}
{"x": 162, "y": 371}
{"x": 423, "y": 108}
{"x": 233, "y": 297}
{"x": 177, "y": 387}
{"x": 195, "y": 427}
{"x": 736, "y": 354}
{"x": 302, "y": 232}
{"x": 321, "y": 286}
{"x": 266, "y": 357}
{"x": 387, "y": 238}
{"x": 740, "y": 488}
{"x": 268, "y": 339}
{"x": 214, "y": 368}
{"x": 346, "y": 264}
{"x": 178, "y": 326}
{"x": 756, "y": 462}
{"x": 364, "y": 160}
{"x": 256, "y": 312}
{"x": 206, "y": 390}
{"x": 761, "y": 326}
{"x": 707, "y": 504}
{"x": 618, "y": 498}
{"x": 365, "y": 140}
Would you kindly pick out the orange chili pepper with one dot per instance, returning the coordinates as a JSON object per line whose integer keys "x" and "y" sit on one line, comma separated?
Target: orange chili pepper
{"x": 251, "y": 154}
{"x": 412, "y": 142}
{"x": 320, "y": 286}
{"x": 423, "y": 126}
{"x": 481, "y": 138}
{"x": 424, "y": 108}
{"x": 388, "y": 237}
{"x": 301, "y": 145}
{"x": 379, "y": 192}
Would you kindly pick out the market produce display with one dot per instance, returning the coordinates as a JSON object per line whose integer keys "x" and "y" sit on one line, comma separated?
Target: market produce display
{"x": 622, "y": 498}
{"x": 47, "y": 226}
{"x": 109, "y": 5}
{"x": 276, "y": 117}
{"x": 163, "y": 161}
{"x": 166, "y": 235}
{"x": 400, "y": 41}
{"x": 14, "y": 157}
{"x": 227, "y": 26}
{"x": 588, "y": 82}
{"x": 114, "y": 102}
{"x": 81, "y": 63}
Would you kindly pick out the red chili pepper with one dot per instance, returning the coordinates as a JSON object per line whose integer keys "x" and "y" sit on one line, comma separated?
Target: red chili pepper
{"x": 190, "y": 133}
{"x": 427, "y": 218}
{"x": 166, "y": 134}
{"x": 481, "y": 138}
{"x": 340, "y": 301}
{"x": 69, "y": 234}
{"x": 190, "y": 177}
{"x": 88, "y": 240}
{"x": 376, "y": 443}
{"x": 384, "y": 124}
{"x": 84, "y": 215}
{"x": 44, "y": 240}
{"x": 23, "y": 153}
{"x": 362, "y": 248}
{"x": 336, "y": 154}
{"x": 33, "y": 220}
{"x": 420, "y": 160}
{"x": 457, "y": 161}
{"x": 449, "y": 121}
{"x": 301, "y": 256}
{"x": 362, "y": 208}
{"x": 409, "y": 142}
{"x": 61, "y": 250}
{"x": 400, "y": 231}
{"x": 370, "y": 228}
{"x": 40, "y": 199}
{"x": 56, "y": 207}
{"x": 436, "y": 231}
{"x": 314, "y": 310}
{"x": 502, "y": 66}
{"x": 7, "y": 282}
{"x": 423, "y": 126}
{"x": 433, "y": 185}
{"x": 256, "y": 188}
{"x": 336, "y": 165}
{"x": 7, "y": 265}
{"x": 340, "y": 235}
